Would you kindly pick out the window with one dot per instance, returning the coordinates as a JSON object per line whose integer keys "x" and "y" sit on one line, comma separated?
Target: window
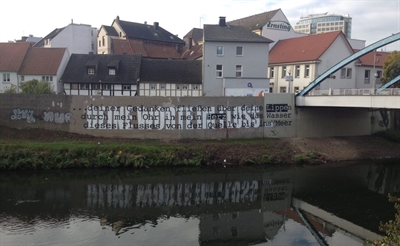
{"x": 106, "y": 86}
{"x": 162, "y": 86}
{"x": 84, "y": 86}
{"x": 367, "y": 74}
{"x": 282, "y": 89}
{"x": 111, "y": 71}
{"x": 74, "y": 86}
{"x": 195, "y": 87}
{"x": 271, "y": 72}
{"x": 306, "y": 71}
{"x": 99, "y": 43}
{"x": 296, "y": 89}
{"x": 349, "y": 72}
{"x": 51, "y": 79}
{"x": 284, "y": 72}
{"x": 238, "y": 71}
{"x": 178, "y": 87}
{"x": 342, "y": 73}
{"x": 297, "y": 71}
{"x": 104, "y": 40}
{"x": 152, "y": 86}
{"x": 43, "y": 78}
{"x": 95, "y": 86}
{"x": 126, "y": 87}
{"x": 219, "y": 71}
{"x": 90, "y": 70}
{"x": 6, "y": 77}
{"x": 379, "y": 74}
{"x": 22, "y": 78}
{"x": 239, "y": 50}
{"x": 220, "y": 50}
{"x": 185, "y": 87}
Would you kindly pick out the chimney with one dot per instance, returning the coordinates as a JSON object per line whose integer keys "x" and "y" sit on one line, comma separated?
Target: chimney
{"x": 222, "y": 21}
{"x": 190, "y": 43}
{"x": 156, "y": 25}
{"x": 117, "y": 18}
{"x": 178, "y": 48}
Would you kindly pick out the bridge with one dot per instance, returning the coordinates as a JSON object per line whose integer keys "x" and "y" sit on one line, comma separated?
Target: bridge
{"x": 383, "y": 97}
{"x": 351, "y": 98}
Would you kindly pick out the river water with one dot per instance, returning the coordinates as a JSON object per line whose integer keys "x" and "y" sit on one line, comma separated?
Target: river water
{"x": 339, "y": 205}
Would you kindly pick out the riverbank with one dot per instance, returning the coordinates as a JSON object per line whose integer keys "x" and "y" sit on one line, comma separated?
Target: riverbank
{"x": 44, "y": 149}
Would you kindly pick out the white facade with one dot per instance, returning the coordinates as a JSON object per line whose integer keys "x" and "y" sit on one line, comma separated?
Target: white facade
{"x": 53, "y": 79}
{"x": 279, "y": 28}
{"x": 87, "y": 89}
{"x": 170, "y": 90}
{"x": 77, "y": 38}
{"x": 222, "y": 76}
{"x": 303, "y": 73}
{"x": 9, "y": 79}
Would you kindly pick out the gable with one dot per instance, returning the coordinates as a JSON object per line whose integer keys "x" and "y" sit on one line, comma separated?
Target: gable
{"x": 254, "y": 22}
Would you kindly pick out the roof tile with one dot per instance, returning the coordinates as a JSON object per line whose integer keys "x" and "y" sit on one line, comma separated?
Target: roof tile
{"x": 12, "y": 55}
{"x": 307, "y": 48}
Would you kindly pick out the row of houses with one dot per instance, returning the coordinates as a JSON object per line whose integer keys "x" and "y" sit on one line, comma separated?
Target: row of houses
{"x": 244, "y": 57}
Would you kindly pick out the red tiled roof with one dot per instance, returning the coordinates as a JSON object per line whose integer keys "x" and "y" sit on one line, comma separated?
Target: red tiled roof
{"x": 193, "y": 53}
{"x": 12, "y": 55}
{"x": 123, "y": 46}
{"x": 40, "y": 61}
{"x": 307, "y": 48}
{"x": 149, "y": 50}
{"x": 368, "y": 59}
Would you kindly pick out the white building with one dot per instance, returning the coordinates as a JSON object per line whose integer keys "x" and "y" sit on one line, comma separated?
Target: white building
{"x": 235, "y": 61}
{"x": 271, "y": 24}
{"x": 77, "y": 38}
{"x": 325, "y": 22}
{"x": 303, "y": 59}
{"x": 20, "y": 63}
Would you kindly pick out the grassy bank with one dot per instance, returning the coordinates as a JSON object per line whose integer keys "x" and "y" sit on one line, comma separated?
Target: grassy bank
{"x": 59, "y": 155}
{"x": 43, "y": 149}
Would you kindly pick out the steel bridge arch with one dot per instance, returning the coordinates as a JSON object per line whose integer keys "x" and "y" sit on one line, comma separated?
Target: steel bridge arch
{"x": 344, "y": 62}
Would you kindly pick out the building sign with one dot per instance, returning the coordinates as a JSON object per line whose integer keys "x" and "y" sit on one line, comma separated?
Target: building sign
{"x": 279, "y": 25}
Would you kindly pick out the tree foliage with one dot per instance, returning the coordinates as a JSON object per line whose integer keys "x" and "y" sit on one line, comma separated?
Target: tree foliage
{"x": 391, "y": 228}
{"x": 36, "y": 87}
{"x": 391, "y": 67}
{"x": 11, "y": 90}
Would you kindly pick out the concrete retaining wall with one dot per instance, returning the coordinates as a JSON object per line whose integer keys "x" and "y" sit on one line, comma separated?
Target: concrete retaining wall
{"x": 271, "y": 116}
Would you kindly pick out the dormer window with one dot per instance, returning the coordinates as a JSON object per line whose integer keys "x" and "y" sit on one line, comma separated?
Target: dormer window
{"x": 111, "y": 71}
{"x": 90, "y": 70}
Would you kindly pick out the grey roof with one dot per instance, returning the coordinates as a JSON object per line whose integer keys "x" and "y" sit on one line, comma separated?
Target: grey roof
{"x": 173, "y": 71}
{"x": 254, "y": 22}
{"x": 127, "y": 68}
{"x": 50, "y": 36}
{"x": 231, "y": 33}
{"x": 110, "y": 30}
{"x": 196, "y": 34}
{"x": 148, "y": 32}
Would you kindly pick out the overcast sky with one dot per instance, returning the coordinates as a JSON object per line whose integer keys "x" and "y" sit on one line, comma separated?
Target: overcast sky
{"x": 373, "y": 20}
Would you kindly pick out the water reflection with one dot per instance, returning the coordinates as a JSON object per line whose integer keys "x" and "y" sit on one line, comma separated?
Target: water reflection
{"x": 302, "y": 206}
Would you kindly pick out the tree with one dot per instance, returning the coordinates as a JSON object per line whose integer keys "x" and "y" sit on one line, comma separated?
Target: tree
{"x": 391, "y": 67}
{"x": 391, "y": 228}
{"x": 36, "y": 87}
{"x": 11, "y": 90}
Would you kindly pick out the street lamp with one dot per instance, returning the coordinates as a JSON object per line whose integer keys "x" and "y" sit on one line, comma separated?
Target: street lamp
{"x": 330, "y": 83}
{"x": 289, "y": 79}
